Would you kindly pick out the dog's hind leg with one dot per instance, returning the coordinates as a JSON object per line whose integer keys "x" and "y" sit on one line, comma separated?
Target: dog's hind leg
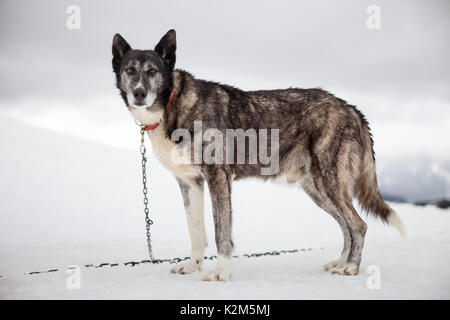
{"x": 322, "y": 200}
{"x": 338, "y": 183}
{"x": 357, "y": 228}
{"x": 192, "y": 191}
{"x": 347, "y": 242}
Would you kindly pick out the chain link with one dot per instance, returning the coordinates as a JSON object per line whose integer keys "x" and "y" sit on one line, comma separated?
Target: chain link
{"x": 148, "y": 221}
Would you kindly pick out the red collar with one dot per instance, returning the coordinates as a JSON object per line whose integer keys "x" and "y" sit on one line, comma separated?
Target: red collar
{"x": 153, "y": 126}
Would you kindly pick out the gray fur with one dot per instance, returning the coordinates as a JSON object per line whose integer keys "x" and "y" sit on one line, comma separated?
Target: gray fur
{"x": 219, "y": 184}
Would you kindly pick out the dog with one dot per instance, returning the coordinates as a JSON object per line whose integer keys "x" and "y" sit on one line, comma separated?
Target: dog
{"x": 321, "y": 143}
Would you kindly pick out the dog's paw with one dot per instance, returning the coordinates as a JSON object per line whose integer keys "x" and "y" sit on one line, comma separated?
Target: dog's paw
{"x": 186, "y": 267}
{"x": 328, "y": 266}
{"x": 222, "y": 272}
{"x": 217, "y": 275}
{"x": 346, "y": 269}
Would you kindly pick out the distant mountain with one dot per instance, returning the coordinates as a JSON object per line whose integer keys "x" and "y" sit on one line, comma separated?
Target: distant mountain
{"x": 443, "y": 203}
{"x": 414, "y": 179}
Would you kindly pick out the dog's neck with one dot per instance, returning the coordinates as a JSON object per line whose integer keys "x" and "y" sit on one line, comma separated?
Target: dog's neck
{"x": 185, "y": 98}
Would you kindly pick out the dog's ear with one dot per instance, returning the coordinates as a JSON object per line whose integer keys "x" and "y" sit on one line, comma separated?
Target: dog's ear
{"x": 167, "y": 46}
{"x": 119, "y": 48}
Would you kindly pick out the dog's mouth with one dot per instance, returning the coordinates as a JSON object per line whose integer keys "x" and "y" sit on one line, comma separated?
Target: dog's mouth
{"x": 139, "y": 105}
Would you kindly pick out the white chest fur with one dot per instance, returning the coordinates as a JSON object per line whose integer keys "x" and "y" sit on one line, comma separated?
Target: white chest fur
{"x": 168, "y": 153}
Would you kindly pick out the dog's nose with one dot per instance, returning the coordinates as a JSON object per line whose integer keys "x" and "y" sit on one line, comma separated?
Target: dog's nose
{"x": 139, "y": 94}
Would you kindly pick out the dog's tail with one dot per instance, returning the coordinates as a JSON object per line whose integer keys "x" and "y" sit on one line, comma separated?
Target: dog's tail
{"x": 366, "y": 186}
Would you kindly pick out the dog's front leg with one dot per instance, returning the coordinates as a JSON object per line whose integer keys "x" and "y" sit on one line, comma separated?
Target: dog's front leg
{"x": 192, "y": 191}
{"x": 219, "y": 184}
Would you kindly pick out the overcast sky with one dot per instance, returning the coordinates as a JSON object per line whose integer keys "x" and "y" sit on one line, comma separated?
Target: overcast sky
{"x": 399, "y": 76}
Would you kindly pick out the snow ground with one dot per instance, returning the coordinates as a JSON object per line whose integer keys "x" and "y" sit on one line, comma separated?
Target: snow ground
{"x": 67, "y": 201}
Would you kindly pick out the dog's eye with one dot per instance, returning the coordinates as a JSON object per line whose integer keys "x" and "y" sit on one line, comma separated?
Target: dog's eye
{"x": 130, "y": 71}
{"x": 151, "y": 72}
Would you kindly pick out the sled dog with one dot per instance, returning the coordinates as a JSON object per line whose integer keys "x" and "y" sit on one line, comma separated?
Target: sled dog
{"x": 312, "y": 138}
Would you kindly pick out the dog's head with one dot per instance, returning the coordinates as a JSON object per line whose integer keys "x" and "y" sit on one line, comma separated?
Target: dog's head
{"x": 144, "y": 76}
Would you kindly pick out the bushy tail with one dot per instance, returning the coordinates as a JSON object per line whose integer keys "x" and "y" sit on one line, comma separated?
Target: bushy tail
{"x": 366, "y": 186}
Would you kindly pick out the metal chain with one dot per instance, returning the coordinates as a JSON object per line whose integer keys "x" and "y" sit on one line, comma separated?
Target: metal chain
{"x": 177, "y": 260}
{"x": 148, "y": 221}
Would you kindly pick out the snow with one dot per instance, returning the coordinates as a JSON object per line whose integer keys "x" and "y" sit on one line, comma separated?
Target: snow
{"x": 67, "y": 201}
